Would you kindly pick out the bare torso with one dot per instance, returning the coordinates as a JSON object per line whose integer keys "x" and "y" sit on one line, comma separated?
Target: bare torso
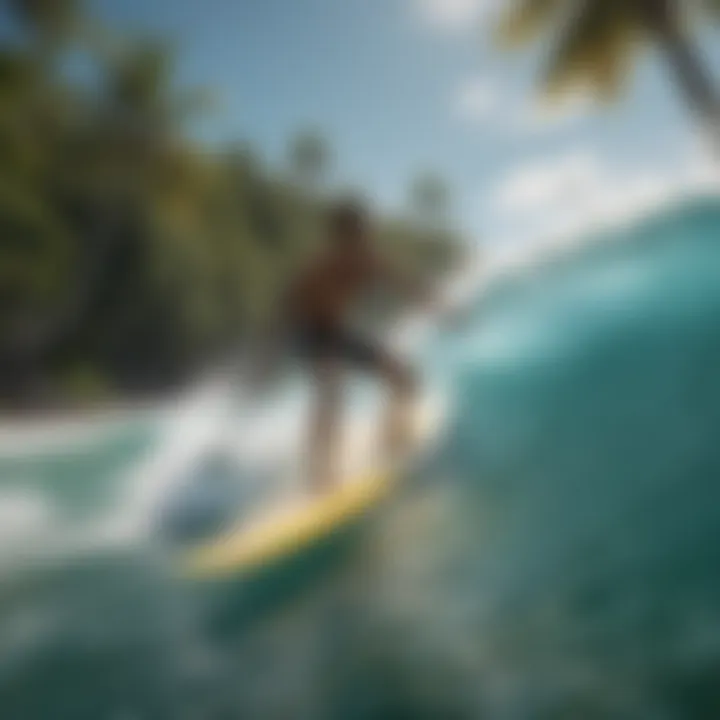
{"x": 325, "y": 292}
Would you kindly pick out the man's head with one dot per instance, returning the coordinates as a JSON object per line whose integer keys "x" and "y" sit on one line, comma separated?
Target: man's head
{"x": 348, "y": 224}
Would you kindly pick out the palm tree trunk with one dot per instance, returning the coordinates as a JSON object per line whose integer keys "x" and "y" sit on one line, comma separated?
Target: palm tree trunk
{"x": 686, "y": 65}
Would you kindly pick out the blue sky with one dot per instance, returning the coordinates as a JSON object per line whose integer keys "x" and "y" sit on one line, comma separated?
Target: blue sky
{"x": 400, "y": 86}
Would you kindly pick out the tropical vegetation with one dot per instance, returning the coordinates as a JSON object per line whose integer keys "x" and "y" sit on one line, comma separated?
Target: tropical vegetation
{"x": 132, "y": 255}
{"x": 593, "y": 42}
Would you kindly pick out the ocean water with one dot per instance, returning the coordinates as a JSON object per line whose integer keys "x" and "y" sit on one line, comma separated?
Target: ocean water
{"x": 555, "y": 556}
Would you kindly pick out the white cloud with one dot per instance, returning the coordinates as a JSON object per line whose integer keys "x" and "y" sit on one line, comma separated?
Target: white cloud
{"x": 540, "y": 183}
{"x": 476, "y": 100}
{"x": 455, "y": 15}
{"x": 559, "y": 200}
{"x": 482, "y": 100}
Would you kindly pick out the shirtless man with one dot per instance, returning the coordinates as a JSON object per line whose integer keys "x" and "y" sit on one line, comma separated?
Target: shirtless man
{"x": 315, "y": 313}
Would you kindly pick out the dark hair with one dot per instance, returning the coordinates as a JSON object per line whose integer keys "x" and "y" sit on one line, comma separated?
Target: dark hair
{"x": 347, "y": 219}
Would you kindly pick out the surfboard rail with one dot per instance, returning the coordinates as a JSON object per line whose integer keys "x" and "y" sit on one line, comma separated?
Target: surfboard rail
{"x": 285, "y": 532}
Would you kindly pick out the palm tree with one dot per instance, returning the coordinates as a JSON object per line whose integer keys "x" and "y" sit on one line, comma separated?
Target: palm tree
{"x": 597, "y": 39}
{"x": 105, "y": 187}
{"x": 309, "y": 158}
{"x": 429, "y": 198}
{"x": 51, "y": 23}
{"x": 46, "y": 16}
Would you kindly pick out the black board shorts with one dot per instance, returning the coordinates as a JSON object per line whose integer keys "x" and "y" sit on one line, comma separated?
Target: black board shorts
{"x": 320, "y": 342}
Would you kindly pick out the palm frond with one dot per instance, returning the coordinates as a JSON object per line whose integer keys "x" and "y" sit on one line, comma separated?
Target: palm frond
{"x": 525, "y": 19}
{"x": 594, "y": 48}
{"x": 53, "y": 19}
{"x": 612, "y": 64}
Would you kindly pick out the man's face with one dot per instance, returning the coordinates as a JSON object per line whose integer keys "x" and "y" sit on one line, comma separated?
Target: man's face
{"x": 351, "y": 235}
{"x": 354, "y": 242}
{"x": 355, "y": 236}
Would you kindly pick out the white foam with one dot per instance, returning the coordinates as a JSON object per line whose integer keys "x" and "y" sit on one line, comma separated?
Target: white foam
{"x": 269, "y": 438}
{"x": 188, "y": 431}
{"x": 50, "y": 434}
{"x": 23, "y": 513}
{"x": 207, "y": 418}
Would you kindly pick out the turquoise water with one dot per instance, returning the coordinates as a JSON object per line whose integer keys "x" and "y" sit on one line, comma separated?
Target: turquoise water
{"x": 556, "y": 557}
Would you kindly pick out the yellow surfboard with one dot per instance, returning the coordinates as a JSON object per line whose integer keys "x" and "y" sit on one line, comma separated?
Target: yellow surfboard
{"x": 295, "y": 526}
{"x": 287, "y": 531}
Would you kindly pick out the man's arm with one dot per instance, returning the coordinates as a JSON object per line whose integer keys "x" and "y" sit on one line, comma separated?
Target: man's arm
{"x": 416, "y": 291}
{"x": 420, "y": 293}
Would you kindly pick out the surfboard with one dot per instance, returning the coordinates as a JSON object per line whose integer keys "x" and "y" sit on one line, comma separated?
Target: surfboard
{"x": 286, "y": 532}
{"x": 295, "y": 527}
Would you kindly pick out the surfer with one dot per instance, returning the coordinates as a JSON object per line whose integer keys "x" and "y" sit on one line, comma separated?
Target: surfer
{"x": 315, "y": 315}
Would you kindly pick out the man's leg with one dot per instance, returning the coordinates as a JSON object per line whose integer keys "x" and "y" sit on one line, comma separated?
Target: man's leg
{"x": 324, "y": 446}
{"x": 399, "y": 420}
{"x": 401, "y": 380}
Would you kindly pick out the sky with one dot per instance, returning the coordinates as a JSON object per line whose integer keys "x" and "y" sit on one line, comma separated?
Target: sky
{"x": 404, "y": 86}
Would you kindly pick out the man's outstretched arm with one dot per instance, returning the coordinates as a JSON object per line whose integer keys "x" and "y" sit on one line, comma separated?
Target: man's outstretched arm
{"x": 414, "y": 290}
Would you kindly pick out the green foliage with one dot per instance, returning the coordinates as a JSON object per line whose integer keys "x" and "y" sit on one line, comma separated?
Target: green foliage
{"x": 309, "y": 158}
{"x": 131, "y": 255}
{"x": 593, "y": 42}
{"x": 47, "y": 19}
{"x": 429, "y": 199}
{"x": 82, "y": 384}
